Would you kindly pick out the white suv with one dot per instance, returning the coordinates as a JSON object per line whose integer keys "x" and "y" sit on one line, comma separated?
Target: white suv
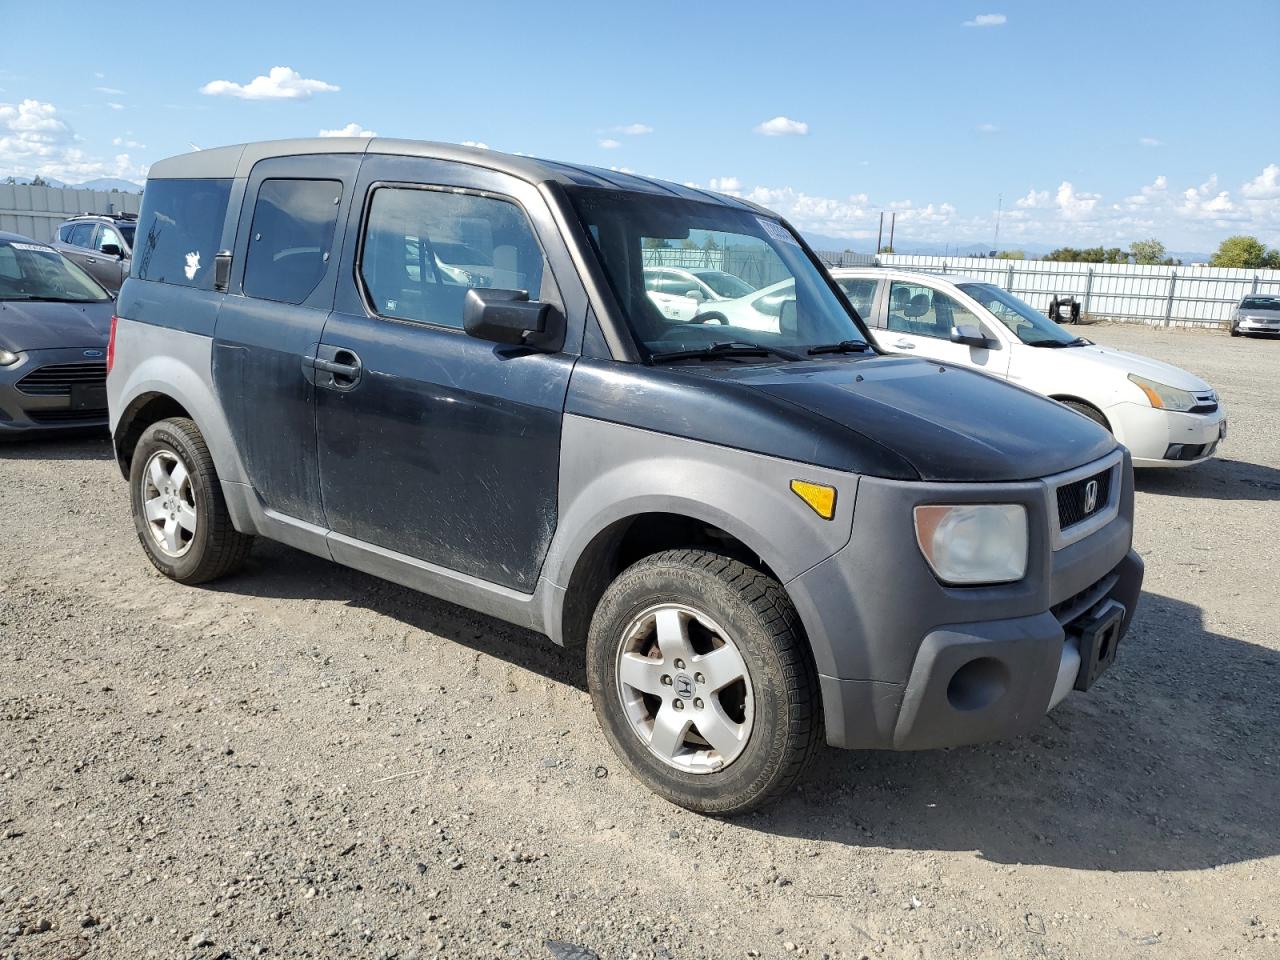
{"x": 1164, "y": 415}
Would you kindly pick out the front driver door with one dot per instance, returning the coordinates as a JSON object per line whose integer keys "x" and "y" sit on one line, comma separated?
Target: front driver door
{"x": 434, "y": 445}
{"x": 919, "y": 324}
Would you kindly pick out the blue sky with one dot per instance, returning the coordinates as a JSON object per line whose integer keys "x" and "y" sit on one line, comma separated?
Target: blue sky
{"x": 1097, "y": 122}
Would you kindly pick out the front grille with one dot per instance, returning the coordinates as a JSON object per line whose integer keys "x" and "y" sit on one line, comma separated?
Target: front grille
{"x": 1189, "y": 451}
{"x": 1208, "y": 407}
{"x": 1073, "y": 499}
{"x": 56, "y": 379}
{"x": 67, "y": 416}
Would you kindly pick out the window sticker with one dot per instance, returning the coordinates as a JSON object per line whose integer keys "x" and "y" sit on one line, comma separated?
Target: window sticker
{"x": 30, "y": 246}
{"x": 777, "y": 231}
{"x": 193, "y": 265}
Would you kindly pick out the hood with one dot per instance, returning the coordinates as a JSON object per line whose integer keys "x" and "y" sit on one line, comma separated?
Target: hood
{"x": 1126, "y": 363}
{"x": 34, "y": 325}
{"x": 950, "y": 424}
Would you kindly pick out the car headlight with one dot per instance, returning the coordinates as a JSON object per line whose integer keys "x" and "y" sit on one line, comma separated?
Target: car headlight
{"x": 7, "y": 358}
{"x": 974, "y": 543}
{"x": 1162, "y": 396}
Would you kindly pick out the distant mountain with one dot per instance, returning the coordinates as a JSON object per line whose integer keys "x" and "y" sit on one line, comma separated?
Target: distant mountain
{"x": 110, "y": 183}
{"x": 1033, "y": 251}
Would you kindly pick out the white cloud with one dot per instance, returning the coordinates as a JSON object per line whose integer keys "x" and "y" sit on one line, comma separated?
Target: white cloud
{"x": 610, "y": 144}
{"x": 987, "y": 20}
{"x": 131, "y": 144}
{"x": 988, "y": 128}
{"x": 35, "y": 140}
{"x": 480, "y": 145}
{"x": 782, "y": 127}
{"x": 633, "y": 129}
{"x": 1075, "y": 205}
{"x": 1266, "y": 185}
{"x": 280, "y": 83}
{"x": 622, "y": 169}
{"x": 110, "y": 91}
{"x": 729, "y": 185}
{"x": 352, "y": 129}
{"x": 1034, "y": 199}
{"x": 1150, "y": 142}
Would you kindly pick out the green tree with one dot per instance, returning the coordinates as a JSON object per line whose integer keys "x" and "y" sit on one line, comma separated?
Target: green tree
{"x": 656, "y": 243}
{"x": 1147, "y": 251}
{"x": 1011, "y": 255}
{"x": 39, "y": 181}
{"x": 1240, "y": 251}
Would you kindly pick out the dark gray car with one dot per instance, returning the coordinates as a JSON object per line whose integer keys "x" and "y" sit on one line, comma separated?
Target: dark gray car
{"x": 1257, "y": 313}
{"x": 101, "y": 244}
{"x": 54, "y": 324}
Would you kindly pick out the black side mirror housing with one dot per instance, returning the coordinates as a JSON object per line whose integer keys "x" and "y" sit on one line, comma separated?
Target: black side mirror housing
{"x": 111, "y": 250}
{"x": 969, "y": 335}
{"x": 510, "y": 317}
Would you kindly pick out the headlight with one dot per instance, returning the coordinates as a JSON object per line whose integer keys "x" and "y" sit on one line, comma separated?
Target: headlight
{"x": 7, "y": 359}
{"x": 974, "y": 543}
{"x": 1162, "y": 396}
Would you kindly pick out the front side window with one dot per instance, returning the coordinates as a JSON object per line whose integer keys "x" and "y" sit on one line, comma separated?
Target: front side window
{"x": 291, "y": 240}
{"x": 107, "y": 237}
{"x": 789, "y": 306}
{"x": 861, "y": 292}
{"x": 423, "y": 249}
{"x": 81, "y": 235}
{"x": 32, "y": 271}
{"x": 925, "y": 312}
{"x": 725, "y": 285}
{"x": 180, "y": 230}
{"x": 1025, "y": 322}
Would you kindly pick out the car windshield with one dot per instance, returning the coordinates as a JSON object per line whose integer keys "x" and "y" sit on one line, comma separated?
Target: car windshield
{"x": 32, "y": 271}
{"x": 1260, "y": 303}
{"x": 725, "y": 284}
{"x": 1027, "y": 324}
{"x": 632, "y": 231}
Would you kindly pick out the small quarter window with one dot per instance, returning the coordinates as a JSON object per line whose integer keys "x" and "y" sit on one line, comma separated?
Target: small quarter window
{"x": 180, "y": 230}
{"x": 424, "y": 249}
{"x": 291, "y": 240}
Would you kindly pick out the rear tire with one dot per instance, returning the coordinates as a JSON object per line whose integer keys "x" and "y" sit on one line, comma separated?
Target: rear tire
{"x": 1093, "y": 413}
{"x": 749, "y": 716}
{"x": 178, "y": 509}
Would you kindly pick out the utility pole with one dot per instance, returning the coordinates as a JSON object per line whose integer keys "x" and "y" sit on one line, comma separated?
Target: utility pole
{"x": 880, "y": 232}
{"x": 893, "y": 220}
{"x": 995, "y": 243}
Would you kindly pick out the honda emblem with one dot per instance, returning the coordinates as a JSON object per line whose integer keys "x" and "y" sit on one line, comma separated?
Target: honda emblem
{"x": 1091, "y": 496}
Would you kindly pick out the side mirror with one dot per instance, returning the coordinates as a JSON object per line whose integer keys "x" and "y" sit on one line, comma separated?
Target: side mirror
{"x": 111, "y": 250}
{"x": 505, "y": 316}
{"x": 969, "y": 335}
{"x": 696, "y": 294}
{"x": 788, "y": 320}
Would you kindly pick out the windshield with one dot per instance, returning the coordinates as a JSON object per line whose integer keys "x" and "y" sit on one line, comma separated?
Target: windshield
{"x": 796, "y": 309}
{"x": 32, "y": 271}
{"x": 724, "y": 284}
{"x": 1260, "y": 303}
{"x": 1026, "y": 323}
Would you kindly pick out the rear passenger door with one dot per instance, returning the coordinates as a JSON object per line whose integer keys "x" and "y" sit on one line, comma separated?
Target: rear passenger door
{"x": 436, "y": 446}
{"x": 281, "y": 292}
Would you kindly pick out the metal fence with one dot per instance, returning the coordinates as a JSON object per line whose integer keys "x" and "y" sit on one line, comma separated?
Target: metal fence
{"x": 1160, "y": 296}
{"x": 35, "y": 212}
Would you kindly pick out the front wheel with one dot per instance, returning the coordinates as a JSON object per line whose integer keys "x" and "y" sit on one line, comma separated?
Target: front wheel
{"x": 178, "y": 509}
{"x": 702, "y": 681}
{"x": 1093, "y": 413}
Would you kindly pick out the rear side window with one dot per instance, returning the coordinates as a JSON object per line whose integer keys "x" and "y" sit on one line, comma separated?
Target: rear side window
{"x": 81, "y": 235}
{"x": 424, "y": 249}
{"x": 180, "y": 230}
{"x": 861, "y": 293}
{"x": 291, "y": 240}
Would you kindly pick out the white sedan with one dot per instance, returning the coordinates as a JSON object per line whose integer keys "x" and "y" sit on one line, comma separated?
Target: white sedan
{"x": 1166, "y": 416}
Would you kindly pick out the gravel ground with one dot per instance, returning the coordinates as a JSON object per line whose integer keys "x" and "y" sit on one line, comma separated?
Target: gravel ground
{"x": 305, "y": 761}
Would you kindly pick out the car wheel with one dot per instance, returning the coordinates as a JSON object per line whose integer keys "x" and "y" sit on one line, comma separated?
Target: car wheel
{"x": 178, "y": 509}
{"x": 702, "y": 681}
{"x": 1093, "y": 413}
{"x": 1235, "y": 331}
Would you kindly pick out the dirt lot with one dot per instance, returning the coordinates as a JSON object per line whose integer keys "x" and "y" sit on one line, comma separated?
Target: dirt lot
{"x": 305, "y": 761}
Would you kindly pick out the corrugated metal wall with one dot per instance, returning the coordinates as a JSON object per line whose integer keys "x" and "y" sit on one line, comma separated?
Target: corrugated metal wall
{"x": 36, "y": 211}
{"x": 1173, "y": 296}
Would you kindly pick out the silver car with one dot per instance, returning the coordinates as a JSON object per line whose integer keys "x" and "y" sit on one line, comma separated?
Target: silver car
{"x": 1256, "y": 313}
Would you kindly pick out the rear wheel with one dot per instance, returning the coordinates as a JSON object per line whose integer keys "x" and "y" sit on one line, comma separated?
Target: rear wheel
{"x": 702, "y": 682}
{"x": 178, "y": 509}
{"x": 1093, "y": 413}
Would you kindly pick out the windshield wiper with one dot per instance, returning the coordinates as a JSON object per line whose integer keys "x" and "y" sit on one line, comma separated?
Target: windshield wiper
{"x": 844, "y": 346}
{"x": 726, "y": 348}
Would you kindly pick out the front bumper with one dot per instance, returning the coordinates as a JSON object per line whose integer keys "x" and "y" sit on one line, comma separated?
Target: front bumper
{"x": 906, "y": 663}
{"x": 1165, "y": 438}
{"x": 1258, "y": 326}
{"x": 26, "y": 413}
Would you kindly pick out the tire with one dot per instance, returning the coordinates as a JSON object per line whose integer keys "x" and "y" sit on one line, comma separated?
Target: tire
{"x": 194, "y": 541}
{"x": 774, "y": 708}
{"x": 1093, "y": 413}
{"x": 1235, "y": 332}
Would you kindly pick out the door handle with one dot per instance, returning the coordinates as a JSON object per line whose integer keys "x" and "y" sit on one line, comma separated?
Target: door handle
{"x": 344, "y": 369}
{"x": 349, "y": 370}
{"x": 90, "y": 260}
{"x": 905, "y": 345}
